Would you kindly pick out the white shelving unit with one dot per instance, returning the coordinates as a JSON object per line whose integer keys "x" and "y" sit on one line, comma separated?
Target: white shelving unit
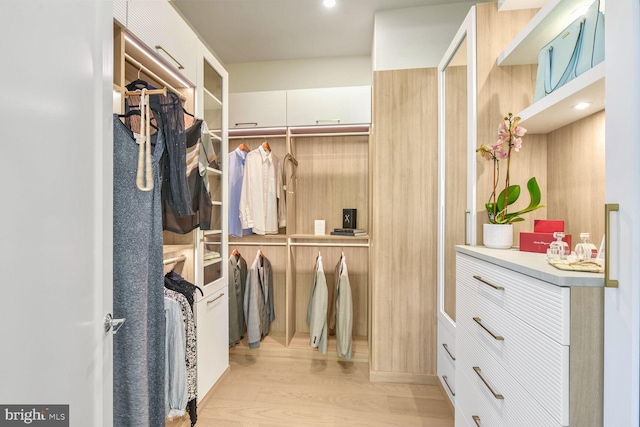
{"x": 556, "y": 109}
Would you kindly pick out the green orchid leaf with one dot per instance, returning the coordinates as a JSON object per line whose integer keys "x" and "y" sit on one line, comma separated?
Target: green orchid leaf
{"x": 512, "y": 196}
{"x": 536, "y": 197}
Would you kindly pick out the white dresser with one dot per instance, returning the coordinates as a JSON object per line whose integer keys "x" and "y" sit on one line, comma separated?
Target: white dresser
{"x": 529, "y": 341}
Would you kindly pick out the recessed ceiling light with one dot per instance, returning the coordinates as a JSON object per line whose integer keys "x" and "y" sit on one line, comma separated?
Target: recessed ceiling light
{"x": 329, "y": 3}
{"x": 582, "y": 105}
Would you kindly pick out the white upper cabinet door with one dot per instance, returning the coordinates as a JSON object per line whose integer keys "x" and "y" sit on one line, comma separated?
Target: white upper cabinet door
{"x": 329, "y": 106}
{"x": 120, "y": 12}
{"x": 164, "y": 31}
{"x": 257, "y": 109}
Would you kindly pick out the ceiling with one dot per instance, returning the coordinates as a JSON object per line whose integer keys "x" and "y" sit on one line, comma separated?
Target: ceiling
{"x": 274, "y": 30}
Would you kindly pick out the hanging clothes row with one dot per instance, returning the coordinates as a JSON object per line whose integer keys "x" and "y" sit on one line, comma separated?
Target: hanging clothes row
{"x": 341, "y": 313}
{"x": 251, "y": 299}
{"x": 181, "y": 391}
{"x": 150, "y": 165}
{"x": 257, "y": 199}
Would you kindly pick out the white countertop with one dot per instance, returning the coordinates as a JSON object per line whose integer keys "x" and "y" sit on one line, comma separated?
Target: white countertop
{"x": 532, "y": 264}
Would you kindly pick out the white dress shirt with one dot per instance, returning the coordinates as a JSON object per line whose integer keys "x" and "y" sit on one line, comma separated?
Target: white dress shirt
{"x": 262, "y": 205}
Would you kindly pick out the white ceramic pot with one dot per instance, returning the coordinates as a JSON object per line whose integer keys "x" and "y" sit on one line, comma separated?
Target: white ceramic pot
{"x": 497, "y": 236}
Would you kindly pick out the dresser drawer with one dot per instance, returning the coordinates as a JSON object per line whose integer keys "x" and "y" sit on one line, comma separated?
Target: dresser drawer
{"x": 537, "y": 362}
{"x": 470, "y": 407}
{"x": 496, "y": 388}
{"x": 543, "y": 306}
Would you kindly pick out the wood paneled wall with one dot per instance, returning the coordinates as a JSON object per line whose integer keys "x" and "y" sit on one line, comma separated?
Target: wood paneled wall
{"x": 404, "y": 212}
{"x": 576, "y": 177}
{"x": 502, "y": 90}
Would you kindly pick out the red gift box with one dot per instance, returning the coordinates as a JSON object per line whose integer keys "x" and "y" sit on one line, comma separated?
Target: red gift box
{"x": 539, "y": 242}
{"x": 547, "y": 225}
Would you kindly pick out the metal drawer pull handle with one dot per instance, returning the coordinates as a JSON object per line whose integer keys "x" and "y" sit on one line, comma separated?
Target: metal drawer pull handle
{"x": 444, "y": 377}
{"x": 446, "y": 347}
{"x": 496, "y": 337}
{"x": 476, "y": 419}
{"x": 180, "y": 67}
{"x": 499, "y": 288}
{"x": 320, "y": 121}
{"x": 247, "y": 124}
{"x": 497, "y": 396}
{"x": 215, "y": 299}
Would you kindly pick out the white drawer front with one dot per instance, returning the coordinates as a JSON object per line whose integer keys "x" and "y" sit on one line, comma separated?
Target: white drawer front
{"x": 471, "y": 405}
{"x": 447, "y": 374}
{"x": 540, "y": 304}
{"x": 447, "y": 340}
{"x": 537, "y": 362}
{"x": 517, "y": 407}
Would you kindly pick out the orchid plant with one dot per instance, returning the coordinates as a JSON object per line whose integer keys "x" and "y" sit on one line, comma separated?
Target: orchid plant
{"x": 509, "y": 140}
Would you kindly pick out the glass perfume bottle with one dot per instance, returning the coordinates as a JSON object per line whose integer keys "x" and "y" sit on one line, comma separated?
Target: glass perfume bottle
{"x": 559, "y": 249}
{"x": 585, "y": 250}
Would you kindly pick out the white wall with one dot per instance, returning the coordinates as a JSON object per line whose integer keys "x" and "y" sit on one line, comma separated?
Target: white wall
{"x": 415, "y": 37}
{"x": 299, "y": 74}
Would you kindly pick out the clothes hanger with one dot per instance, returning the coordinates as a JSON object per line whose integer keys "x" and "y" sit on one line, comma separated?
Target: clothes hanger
{"x": 265, "y": 145}
{"x": 135, "y": 113}
{"x": 244, "y": 147}
{"x": 187, "y": 113}
{"x": 235, "y": 252}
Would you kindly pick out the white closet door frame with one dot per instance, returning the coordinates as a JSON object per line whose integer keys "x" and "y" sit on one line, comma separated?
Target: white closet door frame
{"x": 622, "y": 304}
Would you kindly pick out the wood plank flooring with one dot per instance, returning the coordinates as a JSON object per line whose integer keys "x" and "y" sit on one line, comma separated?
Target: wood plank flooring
{"x": 272, "y": 391}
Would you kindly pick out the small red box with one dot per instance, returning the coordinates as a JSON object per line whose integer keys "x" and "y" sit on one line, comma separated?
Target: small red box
{"x": 547, "y": 225}
{"x": 539, "y": 242}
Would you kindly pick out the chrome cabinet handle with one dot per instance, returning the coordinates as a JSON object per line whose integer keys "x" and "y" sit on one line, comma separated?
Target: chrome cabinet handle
{"x": 480, "y": 279}
{"x": 215, "y": 299}
{"x": 327, "y": 121}
{"x": 254, "y": 124}
{"x": 496, "y": 395}
{"x": 476, "y": 419}
{"x": 608, "y": 208}
{"x": 479, "y": 322}
{"x": 446, "y": 347}
{"x": 444, "y": 377}
{"x": 180, "y": 66}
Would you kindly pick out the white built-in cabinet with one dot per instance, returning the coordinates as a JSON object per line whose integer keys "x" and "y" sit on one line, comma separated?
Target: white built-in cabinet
{"x": 529, "y": 341}
{"x": 159, "y": 26}
{"x": 332, "y": 106}
{"x": 329, "y": 106}
{"x": 212, "y": 309}
{"x": 258, "y": 109}
{"x": 120, "y": 12}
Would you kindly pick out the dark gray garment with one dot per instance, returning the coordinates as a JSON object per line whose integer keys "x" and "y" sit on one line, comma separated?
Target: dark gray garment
{"x": 237, "y": 283}
{"x": 138, "y": 291}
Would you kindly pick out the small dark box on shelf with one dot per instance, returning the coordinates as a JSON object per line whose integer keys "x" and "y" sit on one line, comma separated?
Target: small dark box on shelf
{"x": 349, "y": 218}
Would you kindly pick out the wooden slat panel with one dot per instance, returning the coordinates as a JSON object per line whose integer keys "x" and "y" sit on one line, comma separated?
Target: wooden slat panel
{"x": 502, "y": 90}
{"x": 576, "y": 184}
{"x": 404, "y": 229}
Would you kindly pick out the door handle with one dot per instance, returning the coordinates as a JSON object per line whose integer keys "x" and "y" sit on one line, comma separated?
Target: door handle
{"x": 112, "y": 324}
{"x": 608, "y": 208}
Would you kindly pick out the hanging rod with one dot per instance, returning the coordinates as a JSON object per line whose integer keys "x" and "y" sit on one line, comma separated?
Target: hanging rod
{"x": 257, "y": 244}
{"x": 256, "y": 136}
{"x": 150, "y": 73}
{"x": 174, "y": 260}
{"x": 332, "y": 245}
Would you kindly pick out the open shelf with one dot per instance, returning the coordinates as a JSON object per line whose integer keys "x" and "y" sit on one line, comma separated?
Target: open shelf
{"x": 555, "y": 110}
{"x": 554, "y": 17}
{"x": 209, "y": 262}
{"x": 328, "y": 237}
{"x": 212, "y": 101}
{"x": 211, "y": 232}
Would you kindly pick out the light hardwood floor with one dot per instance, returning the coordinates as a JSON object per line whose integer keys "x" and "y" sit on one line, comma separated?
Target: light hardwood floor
{"x": 275, "y": 391}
